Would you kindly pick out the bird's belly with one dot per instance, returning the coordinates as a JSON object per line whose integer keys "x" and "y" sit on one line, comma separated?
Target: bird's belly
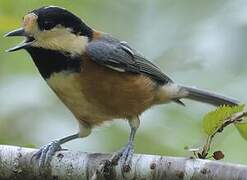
{"x": 95, "y": 96}
{"x": 118, "y": 94}
{"x": 68, "y": 89}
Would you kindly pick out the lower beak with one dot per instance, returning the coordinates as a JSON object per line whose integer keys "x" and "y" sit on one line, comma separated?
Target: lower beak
{"x": 25, "y": 44}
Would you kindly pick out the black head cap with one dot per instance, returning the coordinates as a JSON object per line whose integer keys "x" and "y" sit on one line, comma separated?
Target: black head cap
{"x": 51, "y": 16}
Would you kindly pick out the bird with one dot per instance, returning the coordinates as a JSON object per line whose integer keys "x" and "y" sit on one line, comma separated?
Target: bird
{"x": 98, "y": 77}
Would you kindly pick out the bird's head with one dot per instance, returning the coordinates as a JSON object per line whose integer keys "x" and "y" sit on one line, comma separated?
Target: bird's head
{"x": 53, "y": 28}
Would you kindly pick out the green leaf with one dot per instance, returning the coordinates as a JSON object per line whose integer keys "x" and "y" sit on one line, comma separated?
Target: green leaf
{"x": 242, "y": 129}
{"x": 214, "y": 119}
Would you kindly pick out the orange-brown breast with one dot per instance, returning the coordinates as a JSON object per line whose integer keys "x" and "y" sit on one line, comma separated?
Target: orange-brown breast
{"x": 117, "y": 94}
{"x": 99, "y": 94}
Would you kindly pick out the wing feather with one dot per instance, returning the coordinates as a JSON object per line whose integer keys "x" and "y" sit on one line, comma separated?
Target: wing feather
{"x": 121, "y": 57}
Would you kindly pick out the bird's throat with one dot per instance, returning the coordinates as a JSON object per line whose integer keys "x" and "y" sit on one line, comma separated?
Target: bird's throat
{"x": 51, "y": 61}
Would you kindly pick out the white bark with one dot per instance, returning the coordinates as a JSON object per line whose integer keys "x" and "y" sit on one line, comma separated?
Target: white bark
{"x": 15, "y": 164}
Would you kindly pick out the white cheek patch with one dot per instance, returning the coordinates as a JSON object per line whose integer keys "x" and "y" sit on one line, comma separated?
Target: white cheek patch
{"x": 61, "y": 39}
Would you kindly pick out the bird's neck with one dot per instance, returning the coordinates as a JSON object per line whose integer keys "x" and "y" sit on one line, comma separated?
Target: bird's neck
{"x": 51, "y": 61}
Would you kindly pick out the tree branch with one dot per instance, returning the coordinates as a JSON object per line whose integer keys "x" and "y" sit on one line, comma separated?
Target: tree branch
{"x": 15, "y": 164}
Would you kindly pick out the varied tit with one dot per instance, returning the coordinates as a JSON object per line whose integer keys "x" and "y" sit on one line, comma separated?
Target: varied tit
{"x": 98, "y": 77}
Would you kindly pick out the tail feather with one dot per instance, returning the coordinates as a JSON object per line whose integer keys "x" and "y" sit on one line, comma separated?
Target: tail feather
{"x": 207, "y": 97}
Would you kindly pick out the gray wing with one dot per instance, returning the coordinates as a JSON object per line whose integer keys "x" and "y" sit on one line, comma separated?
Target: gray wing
{"x": 121, "y": 57}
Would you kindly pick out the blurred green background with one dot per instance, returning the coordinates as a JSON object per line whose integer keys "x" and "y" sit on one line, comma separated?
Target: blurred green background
{"x": 196, "y": 42}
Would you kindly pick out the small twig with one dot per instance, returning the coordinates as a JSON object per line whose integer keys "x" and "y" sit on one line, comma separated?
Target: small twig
{"x": 235, "y": 118}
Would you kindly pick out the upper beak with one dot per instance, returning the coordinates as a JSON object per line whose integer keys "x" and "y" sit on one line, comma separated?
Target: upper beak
{"x": 17, "y": 32}
{"x": 20, "y": 32}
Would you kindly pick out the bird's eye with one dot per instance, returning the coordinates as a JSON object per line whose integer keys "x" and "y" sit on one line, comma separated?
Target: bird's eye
{"x": 48, "y": 25}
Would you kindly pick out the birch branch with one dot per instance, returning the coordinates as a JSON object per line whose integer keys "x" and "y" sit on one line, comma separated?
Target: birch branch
{"x": 67, "y": 165}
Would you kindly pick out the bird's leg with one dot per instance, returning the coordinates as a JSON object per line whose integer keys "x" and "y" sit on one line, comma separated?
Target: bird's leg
{"x": 126, "y": 154}
{"x": 45, "y": 153}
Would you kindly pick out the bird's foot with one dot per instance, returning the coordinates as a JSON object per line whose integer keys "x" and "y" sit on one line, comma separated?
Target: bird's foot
{"x": 124, "y": 157}
{"x": 45, "y": 153}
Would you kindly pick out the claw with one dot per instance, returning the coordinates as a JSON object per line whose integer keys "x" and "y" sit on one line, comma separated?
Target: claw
{"x": 44, "y": 154}
{"x": 124, "y": 157}
{"x": 127, "y": 155}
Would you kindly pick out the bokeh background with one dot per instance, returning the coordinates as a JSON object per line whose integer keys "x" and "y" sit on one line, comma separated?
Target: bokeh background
{"x": 196, "y": 42}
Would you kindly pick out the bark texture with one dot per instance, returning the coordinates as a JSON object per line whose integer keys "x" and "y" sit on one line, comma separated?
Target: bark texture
{"x": 15, "y": 164}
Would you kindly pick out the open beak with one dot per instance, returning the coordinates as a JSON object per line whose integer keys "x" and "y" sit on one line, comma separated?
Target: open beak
{"x": 26, "y": 43}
